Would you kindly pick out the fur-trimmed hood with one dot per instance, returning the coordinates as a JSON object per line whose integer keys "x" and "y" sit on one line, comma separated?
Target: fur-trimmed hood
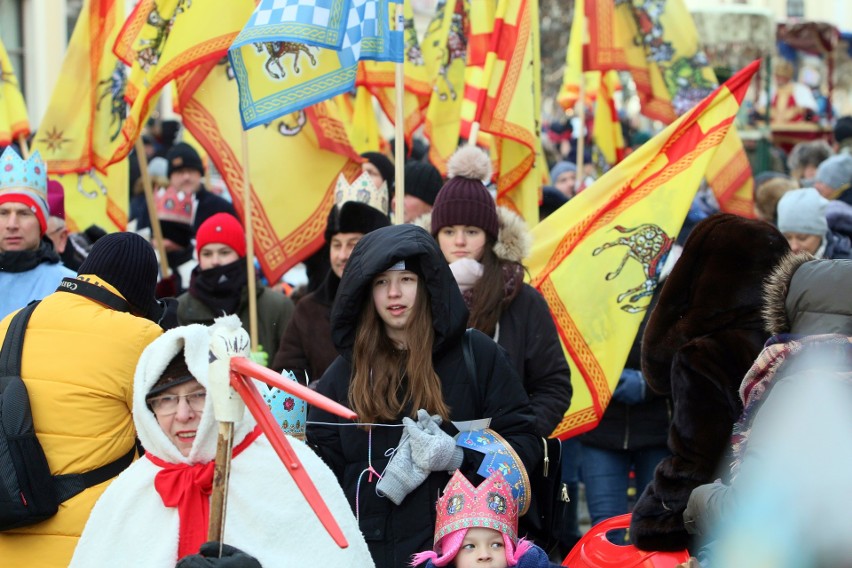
{"x": 513, "y": 239}
{"x": 806, "y": 296}
{"x": 715, "y": 286}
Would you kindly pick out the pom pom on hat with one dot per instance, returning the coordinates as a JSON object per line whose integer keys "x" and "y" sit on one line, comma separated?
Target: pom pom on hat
{"x": 221, "y": 228}
{"x": 464, "y": 200}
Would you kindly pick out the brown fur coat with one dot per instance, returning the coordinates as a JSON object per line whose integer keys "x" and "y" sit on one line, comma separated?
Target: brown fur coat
{"x": 701, "y": 339}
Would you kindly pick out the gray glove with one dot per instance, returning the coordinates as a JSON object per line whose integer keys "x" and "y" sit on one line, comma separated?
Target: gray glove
{"x": 431, "y": 448}
{"x": 401, "y": 476}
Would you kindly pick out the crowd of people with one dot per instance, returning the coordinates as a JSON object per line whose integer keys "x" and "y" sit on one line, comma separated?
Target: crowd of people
{"x": 428, "y": 330}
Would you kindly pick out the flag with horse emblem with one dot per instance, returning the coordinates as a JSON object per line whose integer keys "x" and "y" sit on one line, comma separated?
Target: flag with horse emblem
{"x": 82, "y": 125}
{"x": 294, "y": 53}
{"x": 14, "y": 122}
{"x": 308, "y": 148}
{"x": 597, "y": 259}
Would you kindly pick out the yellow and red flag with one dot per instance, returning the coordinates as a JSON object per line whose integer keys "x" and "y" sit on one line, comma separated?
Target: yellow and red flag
{"x": 658, "y": 44}
{"x": 14, "y": 122}
{"x": 597, "y": 259}
{"x": 163, "y": 39}
{"x": 288, "y": 219}
{"x": 83, "y": 121}
{"x": 606, "y": 132}
{"x": 510, "y": 106}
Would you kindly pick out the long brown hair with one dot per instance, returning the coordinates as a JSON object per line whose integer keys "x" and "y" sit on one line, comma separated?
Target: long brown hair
{"x": 378, "y": 391}
{"x": 489, "y": 293}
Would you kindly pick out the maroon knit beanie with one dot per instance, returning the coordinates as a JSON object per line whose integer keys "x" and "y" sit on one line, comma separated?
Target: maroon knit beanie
{"x": 464, "y": 200}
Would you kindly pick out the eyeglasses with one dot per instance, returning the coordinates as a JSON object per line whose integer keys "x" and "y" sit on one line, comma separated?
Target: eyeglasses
{"x": 168, "y": 403}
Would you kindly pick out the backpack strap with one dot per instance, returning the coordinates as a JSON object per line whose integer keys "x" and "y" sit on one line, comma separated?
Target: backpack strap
{"x": 13, "y": 344}
{"x": 71, "y": 484}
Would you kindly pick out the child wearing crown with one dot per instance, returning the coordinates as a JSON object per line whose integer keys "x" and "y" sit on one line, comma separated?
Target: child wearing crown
{"x": 478, "y": 526}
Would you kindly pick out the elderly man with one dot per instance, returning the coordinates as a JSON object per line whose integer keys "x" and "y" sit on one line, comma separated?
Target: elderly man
{"x": 30, "y": 269}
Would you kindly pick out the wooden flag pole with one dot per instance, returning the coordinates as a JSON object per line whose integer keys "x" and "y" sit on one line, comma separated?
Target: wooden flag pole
{"x": 25, "y": 149}
{"x": 399, "y": 130}
{"x": 247, "y": 215}
{"x": 156, "y": 229}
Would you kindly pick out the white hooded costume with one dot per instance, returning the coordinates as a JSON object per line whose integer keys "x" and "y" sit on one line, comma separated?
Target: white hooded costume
{"x": 267, "y": 516}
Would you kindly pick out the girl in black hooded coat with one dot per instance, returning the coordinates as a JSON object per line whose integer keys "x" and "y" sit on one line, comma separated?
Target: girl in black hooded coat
{"x": 397, "y": 518}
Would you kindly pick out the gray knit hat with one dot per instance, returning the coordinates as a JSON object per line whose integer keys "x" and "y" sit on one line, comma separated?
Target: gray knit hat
{"x": 835, "y": 172}
{"x": 803, "y": 211}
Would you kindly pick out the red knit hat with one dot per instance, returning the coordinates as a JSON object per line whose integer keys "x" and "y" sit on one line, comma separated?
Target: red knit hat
{"x": 464, "y": 200}
{"x": 222, "y": 228}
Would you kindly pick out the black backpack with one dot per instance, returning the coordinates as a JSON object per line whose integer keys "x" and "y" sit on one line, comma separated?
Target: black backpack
{"x": 29, "y": 494}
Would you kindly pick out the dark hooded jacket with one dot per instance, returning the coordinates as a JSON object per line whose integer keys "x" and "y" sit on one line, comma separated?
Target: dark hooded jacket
{"x": 394, "y": 533}
{"x": 700, "y": 341}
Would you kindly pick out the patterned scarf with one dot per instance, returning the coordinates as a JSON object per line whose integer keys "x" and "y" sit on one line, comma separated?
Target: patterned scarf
{"x": 188, "y": 487}
{"x": 781, "y": 356}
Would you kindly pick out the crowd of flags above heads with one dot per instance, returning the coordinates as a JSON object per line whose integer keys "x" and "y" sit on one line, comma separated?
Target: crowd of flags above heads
{"x": 285, "y": 70}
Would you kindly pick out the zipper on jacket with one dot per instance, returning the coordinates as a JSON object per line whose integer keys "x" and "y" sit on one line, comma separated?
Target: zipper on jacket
{"x": 626, "y": 425}
{"x": 546, "y": 457}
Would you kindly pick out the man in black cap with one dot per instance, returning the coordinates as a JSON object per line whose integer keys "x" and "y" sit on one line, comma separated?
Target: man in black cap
{"x": 422, "y": 183}
{"x": 79, "y": 356}
{"x": 185, "y": 174}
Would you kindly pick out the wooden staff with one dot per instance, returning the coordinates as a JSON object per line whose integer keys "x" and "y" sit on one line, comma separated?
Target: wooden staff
{"x": 156, "y": 229}
{"x": 252, "y": 280}
{"x": 221, "y": 477}
{"x": 25, "y": 149}
{"x": 399, "y": 131}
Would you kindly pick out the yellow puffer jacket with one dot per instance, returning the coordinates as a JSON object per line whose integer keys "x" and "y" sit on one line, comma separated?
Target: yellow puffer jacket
{"x": 78, "y": 364}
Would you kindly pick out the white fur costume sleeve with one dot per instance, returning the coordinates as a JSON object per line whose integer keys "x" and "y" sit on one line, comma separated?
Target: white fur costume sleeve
{"x": 267, "y": 516}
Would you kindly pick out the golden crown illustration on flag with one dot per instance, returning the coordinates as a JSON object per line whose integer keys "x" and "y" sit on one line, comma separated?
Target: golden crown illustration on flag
{"x": 362, "y": 190}
{"x": 490, "y": 506}
{"x": 174, "y": 205}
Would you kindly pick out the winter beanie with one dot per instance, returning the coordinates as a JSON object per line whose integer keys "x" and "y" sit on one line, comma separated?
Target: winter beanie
{"x": 560, "y": 168}
{"x": 835, "y": 172}
{"x": 127, "y": 261}
{"x": 464, "y": 200}
{"x": 221, "y": 228}
{"x": 383, "y": 164}
{"x": 25, "y": 181}
{"x": 803, "y": 211}
{"x": 176, "y": 373}
{"x": 423, "y": 181}
{"x": 181, "y": 156}
{"x": 56, "y": 199}
{"x": 354, "y": 217}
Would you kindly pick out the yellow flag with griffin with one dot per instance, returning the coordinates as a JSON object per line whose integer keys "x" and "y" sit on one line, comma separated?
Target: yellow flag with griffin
{"x": 597, "y": 259}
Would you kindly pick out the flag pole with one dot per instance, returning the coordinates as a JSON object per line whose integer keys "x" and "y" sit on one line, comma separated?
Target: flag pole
{"x": 156, "y": 229}
{"x": 247, "y": 215}
{"x": 25, "y": 149}
{"x": 399, "y": 130}
{"x": 581, "y": 136}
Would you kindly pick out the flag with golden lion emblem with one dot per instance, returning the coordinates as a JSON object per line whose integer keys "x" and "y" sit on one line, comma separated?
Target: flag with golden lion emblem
{"x": 597, "y": 259}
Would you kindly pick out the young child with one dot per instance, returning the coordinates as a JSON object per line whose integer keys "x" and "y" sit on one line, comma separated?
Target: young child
{"x": 478, "y": 526}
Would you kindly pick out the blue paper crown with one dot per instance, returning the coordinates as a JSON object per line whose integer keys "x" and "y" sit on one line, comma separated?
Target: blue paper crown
{"x": 289, "y": 412}
{"x": 28, "y": 177}
{"x": 499, "y": 456}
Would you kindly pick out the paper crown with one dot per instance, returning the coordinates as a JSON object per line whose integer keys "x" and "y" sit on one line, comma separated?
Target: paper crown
{"x": 362, "y": 190}
{"x": 174, "y": 205}
{"x": 26, "y": 177}
{"x": 500, "y": 458}
{"x": 490, "y": 506}
{"x": 289, "y": 412}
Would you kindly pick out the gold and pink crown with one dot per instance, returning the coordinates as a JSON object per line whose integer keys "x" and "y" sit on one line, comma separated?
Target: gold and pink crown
{"x": 362, "y": 190}
{"x": 489, "y": 506}
{"x": 174, "y": 205}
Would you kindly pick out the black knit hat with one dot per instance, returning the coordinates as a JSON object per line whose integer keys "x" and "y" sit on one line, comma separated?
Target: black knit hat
{"x": 423, "y": 181}
{"x": 464, "y": 200}
{"x": 354, "y": 217}
{"x": 181, "y": 156}
{"x": 383, "y": 164}
{"x": 128, "y": 262}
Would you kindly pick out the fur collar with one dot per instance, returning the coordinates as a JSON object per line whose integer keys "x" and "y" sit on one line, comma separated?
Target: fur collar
{"x": 775, "y": 290}
{"x": 513, "y": 240}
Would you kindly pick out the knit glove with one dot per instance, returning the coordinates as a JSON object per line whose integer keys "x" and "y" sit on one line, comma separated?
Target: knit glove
{"x": 431, "y": 448}
{"x": 208, "y": 557}
{"x": 630, "y": 388}
{"x": 260, "y": 356}
{"x": 401, "y": 476}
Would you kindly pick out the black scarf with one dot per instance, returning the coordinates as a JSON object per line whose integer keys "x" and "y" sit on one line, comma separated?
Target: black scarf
{"x": 220, "y": 288}
{"x": 24, "y": 260}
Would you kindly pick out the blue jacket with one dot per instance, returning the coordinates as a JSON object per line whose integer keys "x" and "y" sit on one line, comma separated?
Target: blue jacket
{"x": 21, "y": 288}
